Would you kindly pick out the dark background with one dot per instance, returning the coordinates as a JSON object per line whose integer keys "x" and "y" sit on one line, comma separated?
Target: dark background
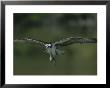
{"x": 78, "y": 59}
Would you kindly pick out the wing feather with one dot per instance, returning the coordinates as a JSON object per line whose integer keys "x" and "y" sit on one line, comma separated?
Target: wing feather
{"x": 73, "y": 40}
{"x": 31, "y": 41}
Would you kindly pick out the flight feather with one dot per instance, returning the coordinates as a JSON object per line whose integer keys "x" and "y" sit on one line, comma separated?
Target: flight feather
{"x": 72, "y": 40}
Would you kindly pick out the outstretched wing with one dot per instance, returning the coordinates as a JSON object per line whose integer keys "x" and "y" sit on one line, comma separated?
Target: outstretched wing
{"x": 72, "y": 40}
{"x": 31, "y": 41}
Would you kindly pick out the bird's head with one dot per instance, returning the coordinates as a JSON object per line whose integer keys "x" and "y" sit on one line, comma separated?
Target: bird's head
{"x": 48, "y": 45}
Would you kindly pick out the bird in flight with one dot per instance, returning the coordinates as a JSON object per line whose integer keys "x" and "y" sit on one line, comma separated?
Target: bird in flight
{"x": 53, "y": 48}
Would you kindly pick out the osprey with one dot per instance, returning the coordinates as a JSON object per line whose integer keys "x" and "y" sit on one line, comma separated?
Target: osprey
{"x": 53, "y": 48}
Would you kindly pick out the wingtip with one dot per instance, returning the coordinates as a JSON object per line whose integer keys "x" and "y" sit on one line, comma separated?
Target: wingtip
{"x": 16, "y": 40}
{"x": 94, "y": 40}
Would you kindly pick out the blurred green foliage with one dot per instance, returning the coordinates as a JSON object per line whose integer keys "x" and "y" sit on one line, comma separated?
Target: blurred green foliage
{"x": 78, "y": 59}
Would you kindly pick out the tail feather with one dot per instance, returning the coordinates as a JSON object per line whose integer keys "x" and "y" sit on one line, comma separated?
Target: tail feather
{"x": 59, "y": 52}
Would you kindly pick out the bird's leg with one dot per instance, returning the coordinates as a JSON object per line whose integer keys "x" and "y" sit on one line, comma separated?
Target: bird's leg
{"x": 52, "y": 59}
